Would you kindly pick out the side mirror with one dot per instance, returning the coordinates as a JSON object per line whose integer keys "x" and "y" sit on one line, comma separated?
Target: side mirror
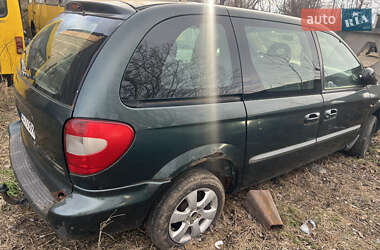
{"x": 368, "y": 76}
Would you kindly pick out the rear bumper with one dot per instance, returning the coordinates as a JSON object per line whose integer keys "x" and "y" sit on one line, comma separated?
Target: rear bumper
{"x": 81, "y": 212}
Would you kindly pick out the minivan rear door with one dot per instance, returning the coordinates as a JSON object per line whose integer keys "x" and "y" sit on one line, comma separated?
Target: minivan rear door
{"x": 281, "y": 83}
{"x": 54, "y": 67}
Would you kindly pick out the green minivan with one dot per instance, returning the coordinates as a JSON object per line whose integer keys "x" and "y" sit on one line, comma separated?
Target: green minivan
{"x": 152, "y": 111}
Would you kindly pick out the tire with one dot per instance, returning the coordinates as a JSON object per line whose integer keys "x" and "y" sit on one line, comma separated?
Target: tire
{"x": 361, "y": 146}
{"x": 184, "y": 199}
{"x": 9, "y": 80}
{"x": 33, "y": 30}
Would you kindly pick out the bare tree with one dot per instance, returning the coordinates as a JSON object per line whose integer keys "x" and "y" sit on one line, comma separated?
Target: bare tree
{"x": 357, "y": 4}
{"x": 293, "y": 7}
{"x": 246, "y": 4}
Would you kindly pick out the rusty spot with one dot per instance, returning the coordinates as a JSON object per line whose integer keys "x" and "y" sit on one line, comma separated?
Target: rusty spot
{"x": 216, "y": 155}
{"x": 227, "y": 182}
{"x": 259, "y": 203}
{"x": 59, "y": 195}
{"x": 195, "y": 163}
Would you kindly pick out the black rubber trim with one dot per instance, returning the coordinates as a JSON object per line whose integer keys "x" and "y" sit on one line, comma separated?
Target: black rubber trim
{"x": 29, "y": 181}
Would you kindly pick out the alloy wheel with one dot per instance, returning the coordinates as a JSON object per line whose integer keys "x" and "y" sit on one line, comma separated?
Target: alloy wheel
{"x": 193, "y": 215}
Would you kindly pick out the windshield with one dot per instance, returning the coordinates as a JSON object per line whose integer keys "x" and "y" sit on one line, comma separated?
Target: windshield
{"x": 60, "y": 54}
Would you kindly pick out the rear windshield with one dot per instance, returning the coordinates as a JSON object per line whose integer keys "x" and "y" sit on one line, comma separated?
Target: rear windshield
{"x": 3, "y": 8}
{"x": 60, "y": 54}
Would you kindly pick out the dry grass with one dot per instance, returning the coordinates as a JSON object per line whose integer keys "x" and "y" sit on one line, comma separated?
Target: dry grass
{"x": 344, "y": 202}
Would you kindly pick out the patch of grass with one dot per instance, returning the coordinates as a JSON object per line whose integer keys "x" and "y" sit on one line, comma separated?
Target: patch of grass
{"x": 335, "y": 219}
{"x": 291, "y": 218}
{"x": 310, "y": 243}
{"x": 7, "y": 177}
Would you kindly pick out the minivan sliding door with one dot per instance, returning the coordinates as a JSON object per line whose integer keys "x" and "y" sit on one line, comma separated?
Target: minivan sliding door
{"x": 281, "y": 84}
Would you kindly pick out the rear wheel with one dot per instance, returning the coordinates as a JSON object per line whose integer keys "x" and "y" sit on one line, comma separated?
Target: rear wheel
{"x": 190, "y": 206}
{"x": 9, "y": 80}
{"x": 364, "y": 141}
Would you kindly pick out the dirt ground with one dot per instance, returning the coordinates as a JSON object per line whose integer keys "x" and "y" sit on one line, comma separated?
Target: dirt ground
{"x": 340, "y": 193}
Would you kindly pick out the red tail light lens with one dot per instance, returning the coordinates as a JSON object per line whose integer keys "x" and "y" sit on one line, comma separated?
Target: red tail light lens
{"x": 92, "y": 146}
{"x": 19, "y": 45}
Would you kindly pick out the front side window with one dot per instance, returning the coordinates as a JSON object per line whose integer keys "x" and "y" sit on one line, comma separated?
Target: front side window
{"x": 3, "y": 8}
{"x": 277, "y": 58}
{"x": 341, "y": 68}
{"x": 173, "y": 62}
{"x": 59, "y": 55}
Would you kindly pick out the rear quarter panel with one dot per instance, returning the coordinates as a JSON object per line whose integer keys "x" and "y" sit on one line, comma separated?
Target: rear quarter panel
{"x": 167, "y": 138}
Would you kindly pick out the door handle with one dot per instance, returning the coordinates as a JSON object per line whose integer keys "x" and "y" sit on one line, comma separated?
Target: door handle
{"x": 331, "y": 113}
{"x": 312, "y": 118}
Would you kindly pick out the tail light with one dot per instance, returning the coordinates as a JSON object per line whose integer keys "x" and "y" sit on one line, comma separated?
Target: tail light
{"x": 92, "y": 146}
{"x": 19, "y": 45}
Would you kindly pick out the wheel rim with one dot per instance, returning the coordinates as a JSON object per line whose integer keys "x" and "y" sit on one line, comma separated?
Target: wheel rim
{"x": 193, "y": 215}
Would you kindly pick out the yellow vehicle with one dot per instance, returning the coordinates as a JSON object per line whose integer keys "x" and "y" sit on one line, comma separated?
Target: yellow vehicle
{"x": 40, "y": 12}
{"x": 11, "y": 38}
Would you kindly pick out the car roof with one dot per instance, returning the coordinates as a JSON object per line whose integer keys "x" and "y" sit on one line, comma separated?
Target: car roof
{"x": 175, "y": 4}
{"x": 234, "y": 11}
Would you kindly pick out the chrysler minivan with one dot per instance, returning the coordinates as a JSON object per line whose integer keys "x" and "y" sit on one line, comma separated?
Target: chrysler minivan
{"x": 149, "y": 112}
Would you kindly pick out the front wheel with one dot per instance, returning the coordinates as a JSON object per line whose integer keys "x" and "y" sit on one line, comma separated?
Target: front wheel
{"x": 364, "y": 141}
{"x": 189, "y": 207}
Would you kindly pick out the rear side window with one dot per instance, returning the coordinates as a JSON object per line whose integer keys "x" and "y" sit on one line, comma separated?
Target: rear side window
{"x": 171, "y": 62}
{"x": 60, "y": 54}
{"x": 277, "y": 58}
{"x": 341, "y": 68}
{"x": 3, "y": 8}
